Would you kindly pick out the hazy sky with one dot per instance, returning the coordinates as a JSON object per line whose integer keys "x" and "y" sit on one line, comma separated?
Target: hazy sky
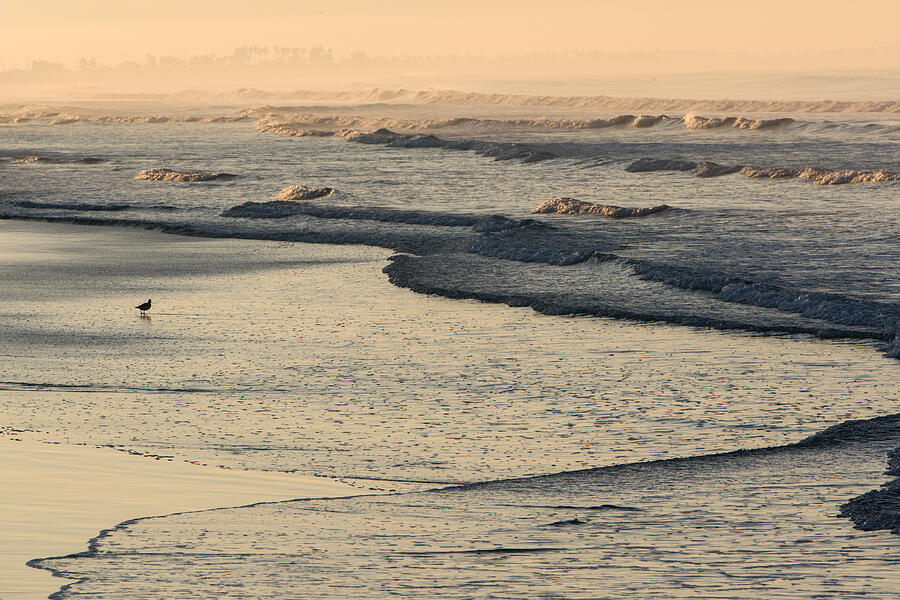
{"x": 114, "y": 31}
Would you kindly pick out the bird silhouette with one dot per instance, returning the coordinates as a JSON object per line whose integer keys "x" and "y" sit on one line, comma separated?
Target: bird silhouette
{"x": 143, "y": 307}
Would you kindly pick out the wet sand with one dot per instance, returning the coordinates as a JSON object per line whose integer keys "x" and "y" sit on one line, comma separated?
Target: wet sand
{"x": 55, "y": 497}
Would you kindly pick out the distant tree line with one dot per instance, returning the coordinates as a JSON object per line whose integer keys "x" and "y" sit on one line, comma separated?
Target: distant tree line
{"x": 321, "y": 58}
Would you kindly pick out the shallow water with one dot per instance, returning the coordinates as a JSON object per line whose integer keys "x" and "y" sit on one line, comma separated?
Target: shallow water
{"x": 282, "y": 355}
{"x": 296, "y": 356}
{"x": 729, "y": 527}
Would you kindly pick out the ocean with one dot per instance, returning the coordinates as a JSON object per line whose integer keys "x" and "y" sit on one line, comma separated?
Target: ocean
{"x": 561, "y": 351}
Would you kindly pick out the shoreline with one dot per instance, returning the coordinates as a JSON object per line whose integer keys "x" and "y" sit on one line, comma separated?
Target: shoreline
{"x": 88, "y": 308}
{"x": 111, "y": 487}
{"x": 58, "y": 495}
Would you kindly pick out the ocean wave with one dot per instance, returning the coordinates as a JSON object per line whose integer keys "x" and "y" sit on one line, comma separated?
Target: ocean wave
{"x": 876, "y": 431}
{"x": 615, "y": 296}
{"x": 694, "y": 122}
{"x": 658, "y": 104}
{"x": 823, "y": 176}
{"x": 278, "y": 209}
{"x": 319, "y": 124}
{"x": 28, "y": 113}
{"x": 80, "y": 206}
{"x": 325, "y": 125}
{"x": 90, "y": 207}
{"x": 644, "y": 165}
{"x": 457, "y": 97}
{"x": 892, "y": 348}
{"x": 303, "y": 192}
{"x": 287, "y": 122}
{"x": 68, "y": 118}
{"x": 170, "y": 175}
{"x": 678, "y": 295}
{"x": 648, "y": 120}
{"x": 95, "y": 387}
{"x": 883, "y": 320}
{"x": 539, "y": 149}
{"x": 836, "y": 315}
{"x": 50, "y": 158}
{"x": 878, "y": 509}
{"x": 819, "y": 176}
{"x": 525, "y": 153}
{"x": 501, "y": 151}
{"x": 316, "y": 121}
{"x": 571, "y": 206}
{"x": 568, "y": 522}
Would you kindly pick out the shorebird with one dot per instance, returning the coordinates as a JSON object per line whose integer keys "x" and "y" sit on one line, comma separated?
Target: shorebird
{"x": 143, "y": 307}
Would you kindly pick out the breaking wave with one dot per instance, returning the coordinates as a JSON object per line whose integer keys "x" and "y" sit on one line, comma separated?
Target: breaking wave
{"x": 456, "y": 97}
{"x": 89, "y": 207}
{"x": 496, "y": 150}
{"x": 605, "y": 287}
{"x": 278, "y": 209}
{"x": 316, "y": 121}
{"x": 45, "y": 157}
{"x": 878, "y": 509}
{"x": 72, "y": 206}
{"x": 525, "y": 153}
{"x": 571, "y": 206}
{"x": 579, "y": 272}
{"x": 303, "y": 192}
{"x": 7, "y": 119}
{"x": 65, "y": 119}
{"x": 328, "y": 124}
{"x": 659, "y": 104}
{"x": 170, "y": 175}
{"x": 824, "y": 176}
{"x": 318, "y": 124}
{"x": 58, "y": 118}
{"x": 694, "y": 122}
{"x": 817, "y": 175}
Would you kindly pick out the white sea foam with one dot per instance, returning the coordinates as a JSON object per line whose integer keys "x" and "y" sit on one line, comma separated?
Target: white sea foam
{"x": 170, "y": 175}
{"x": 823, "y": 176}
{"x": 648, "y": 120}
{"x": 303, "y": 192}
{"x": 817, "y": 175}
{"x": 571, "y": 206}
{"x": 694, "y": 122}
